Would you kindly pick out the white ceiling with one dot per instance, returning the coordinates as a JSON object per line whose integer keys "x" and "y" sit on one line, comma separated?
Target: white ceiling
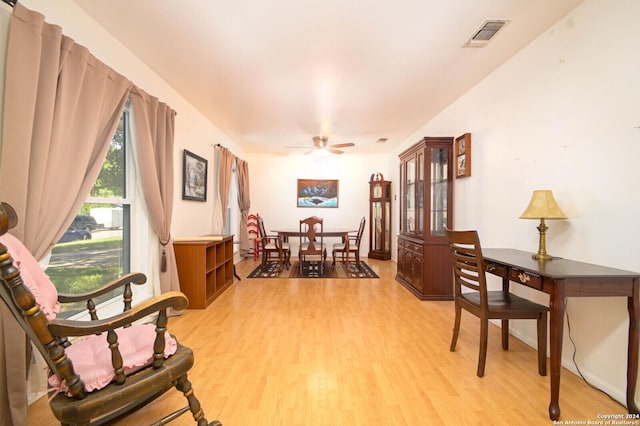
{"x": 274, "y": 73}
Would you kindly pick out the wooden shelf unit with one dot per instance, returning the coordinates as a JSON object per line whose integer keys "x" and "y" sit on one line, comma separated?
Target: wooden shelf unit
{"x": 205, "y": 268}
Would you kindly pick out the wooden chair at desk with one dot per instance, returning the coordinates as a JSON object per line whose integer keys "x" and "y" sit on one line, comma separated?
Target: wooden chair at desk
{"x": 312, "y": 242}
{"x": 469, "y": 272}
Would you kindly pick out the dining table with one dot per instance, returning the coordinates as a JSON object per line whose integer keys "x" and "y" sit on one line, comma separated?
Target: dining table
{"x": 286, "y": 233}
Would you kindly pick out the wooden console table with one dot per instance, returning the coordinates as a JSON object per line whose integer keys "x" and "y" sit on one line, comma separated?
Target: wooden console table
{"x": 205, "y": 267}
{"x": 561, "y": 278}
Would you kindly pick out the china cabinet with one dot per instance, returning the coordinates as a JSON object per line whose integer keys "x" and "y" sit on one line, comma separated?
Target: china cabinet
{"x": 379, "y": 217}
{"x": 426, "y": 208}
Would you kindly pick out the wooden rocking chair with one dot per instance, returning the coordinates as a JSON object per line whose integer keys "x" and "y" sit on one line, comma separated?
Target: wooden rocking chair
{"x": 127, "y": 387}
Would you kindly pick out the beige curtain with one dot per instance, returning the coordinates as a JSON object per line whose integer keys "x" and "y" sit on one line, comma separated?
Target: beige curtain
{"x": 244, "y": 202}
{"x": 56, "y": 94}
{"x": 62, "y": 106}
{"x": 153, "y": 130}
{"x": 225, "y": 170}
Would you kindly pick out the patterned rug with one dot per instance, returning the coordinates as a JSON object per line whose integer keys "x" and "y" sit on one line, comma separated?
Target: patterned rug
{"x": 312, "y": 270}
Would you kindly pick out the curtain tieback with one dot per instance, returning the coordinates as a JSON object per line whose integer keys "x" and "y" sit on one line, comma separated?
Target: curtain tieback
{"x": 163, "y": 260}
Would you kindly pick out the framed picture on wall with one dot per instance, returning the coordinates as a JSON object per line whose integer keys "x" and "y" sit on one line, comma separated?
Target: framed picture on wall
{"x": 317, "y": 193}
{"x": 463, "y": 156}
{"x": 194, "y": 177}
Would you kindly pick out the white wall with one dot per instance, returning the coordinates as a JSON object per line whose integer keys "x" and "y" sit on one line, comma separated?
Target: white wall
{"x": 192, "y": 130}
{"x": 273, "y": 182}
{"x": 562, "y": 115}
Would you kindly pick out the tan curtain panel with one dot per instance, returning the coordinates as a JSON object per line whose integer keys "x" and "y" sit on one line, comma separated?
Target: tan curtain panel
{"x": 56, "y": 94}
{"x": 62, "y": 106}
{"x": 244, "y": 202}
{"x": 153, "y": 130}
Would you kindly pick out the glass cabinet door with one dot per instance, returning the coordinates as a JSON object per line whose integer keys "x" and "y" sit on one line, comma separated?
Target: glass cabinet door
{"x": 420, "y": 194}
{"x": 381, "y": 212}
{"x": 387, "y": 218}
{"x": 410, "y": 198}
{"x": 439, "y": 190}
{"x": 377, "y": 225}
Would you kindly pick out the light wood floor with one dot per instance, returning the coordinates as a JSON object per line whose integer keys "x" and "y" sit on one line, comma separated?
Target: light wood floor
{"x": 353, "y": 352}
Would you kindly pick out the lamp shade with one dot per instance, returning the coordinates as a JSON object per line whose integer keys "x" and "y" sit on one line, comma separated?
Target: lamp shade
{"x": 543, "y": 206}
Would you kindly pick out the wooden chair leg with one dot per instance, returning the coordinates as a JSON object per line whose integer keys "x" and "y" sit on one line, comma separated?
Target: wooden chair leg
{"x": 456, "y": 329}
{"x": 484, "y": 337}
{"x": 287, "y": 259}
{"x": 542, "y": 344}
{"x": 184, "y": 386}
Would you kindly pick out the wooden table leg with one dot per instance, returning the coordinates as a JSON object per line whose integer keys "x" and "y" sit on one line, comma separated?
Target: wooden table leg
{"x": 633, "y": 305}
{"x": 556, "y": 326}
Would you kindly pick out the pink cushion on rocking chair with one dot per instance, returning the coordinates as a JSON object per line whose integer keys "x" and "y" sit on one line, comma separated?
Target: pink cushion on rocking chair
{"x": 33, "y": 276}
{"x": 91, "y": 357}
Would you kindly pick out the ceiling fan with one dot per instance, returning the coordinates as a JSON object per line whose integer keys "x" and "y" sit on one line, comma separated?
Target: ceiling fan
{"x": 321, "y": 142}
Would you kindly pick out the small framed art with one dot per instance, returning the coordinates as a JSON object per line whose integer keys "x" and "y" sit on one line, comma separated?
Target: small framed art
{"x": 463, "y": 156}
{"x": 194, "y": 177}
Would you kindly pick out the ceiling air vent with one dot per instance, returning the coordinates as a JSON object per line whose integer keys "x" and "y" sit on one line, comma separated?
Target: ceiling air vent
{"x": 486, "y": 32}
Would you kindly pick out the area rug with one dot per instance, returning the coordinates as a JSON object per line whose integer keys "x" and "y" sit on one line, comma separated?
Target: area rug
{"x": 312, "y": 270}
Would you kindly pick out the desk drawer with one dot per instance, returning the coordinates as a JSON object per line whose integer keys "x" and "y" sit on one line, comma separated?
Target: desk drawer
{"x": 525, "y": 278}
{"x": 496, "y": 269}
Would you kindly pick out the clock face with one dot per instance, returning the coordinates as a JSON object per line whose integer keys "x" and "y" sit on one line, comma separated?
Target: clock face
{"x": 377, "y": 190}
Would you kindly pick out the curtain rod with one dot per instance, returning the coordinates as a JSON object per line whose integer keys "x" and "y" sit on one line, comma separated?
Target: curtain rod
{"x": 10, "y": 2}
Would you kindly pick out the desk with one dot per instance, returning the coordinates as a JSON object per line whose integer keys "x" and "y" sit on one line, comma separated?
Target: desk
{"x": 343, "y": 233}
{"x": 561, "y": 278}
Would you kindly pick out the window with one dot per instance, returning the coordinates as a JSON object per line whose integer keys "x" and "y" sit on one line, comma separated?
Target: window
{"x": 97, "y": 246}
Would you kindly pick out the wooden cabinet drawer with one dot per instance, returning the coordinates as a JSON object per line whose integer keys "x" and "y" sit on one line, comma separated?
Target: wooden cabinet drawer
{"x": 415, "y": 248}
{"x": 525, "y": 278}
{"x": 496, "y": 269}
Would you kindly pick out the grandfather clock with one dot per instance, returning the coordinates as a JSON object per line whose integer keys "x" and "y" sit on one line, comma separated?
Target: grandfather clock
{"x": 379, "y": 217}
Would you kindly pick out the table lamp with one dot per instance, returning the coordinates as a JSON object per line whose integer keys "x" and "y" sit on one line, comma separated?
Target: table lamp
{"x": 543, "y": 206}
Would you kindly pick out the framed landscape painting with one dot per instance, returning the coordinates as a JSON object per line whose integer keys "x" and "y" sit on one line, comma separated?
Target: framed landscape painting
{"x": 194, "y": 178}
{"x": 317, "y": 193}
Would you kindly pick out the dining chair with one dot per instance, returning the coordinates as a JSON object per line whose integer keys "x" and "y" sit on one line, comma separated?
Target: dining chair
{"x": 100, "y": 370}
{"x": 312, "y": 243}
{"x": 273, "y": 247}
{"x": 469, "y": 274}
{"x": 254, "y": 235}
{"x": 354, "y": 245}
